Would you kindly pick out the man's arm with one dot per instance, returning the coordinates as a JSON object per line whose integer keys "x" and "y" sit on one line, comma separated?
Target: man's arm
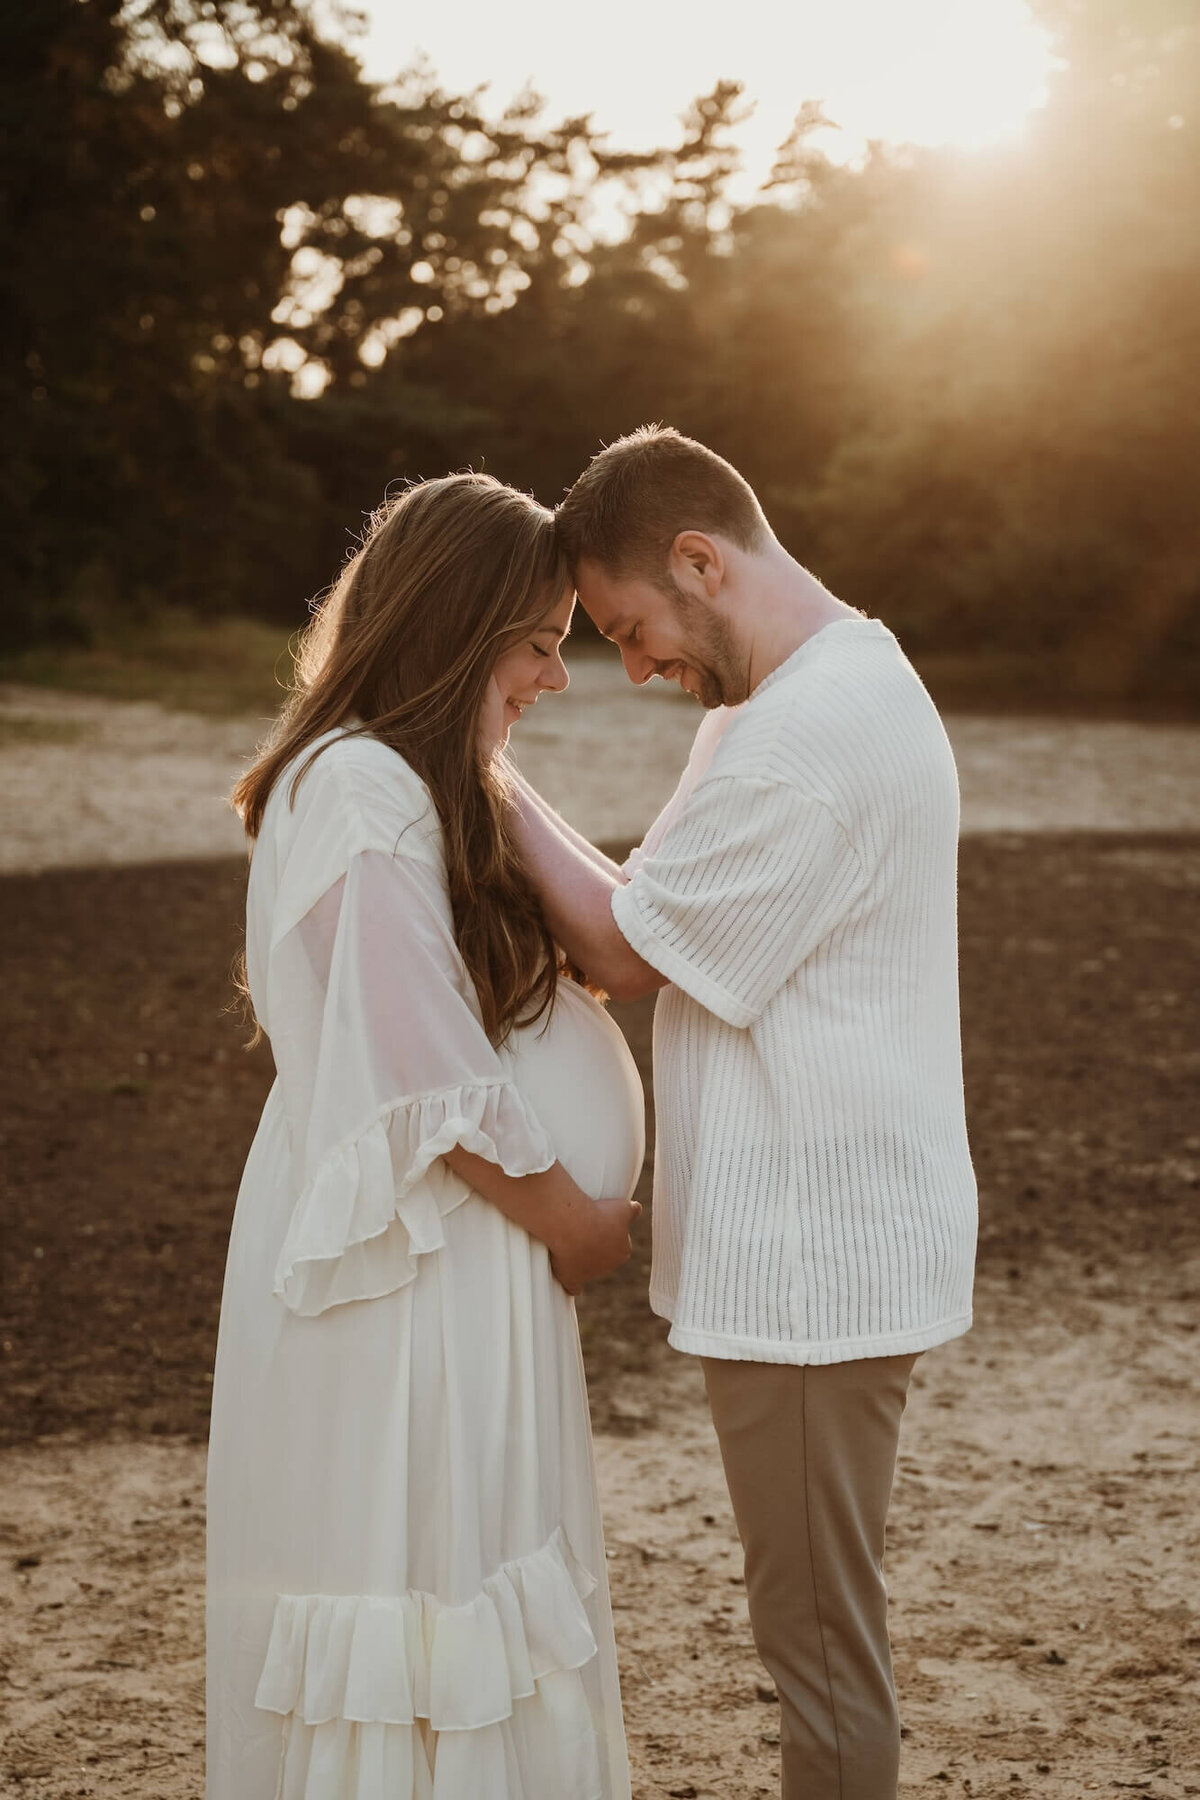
{"x": 576, "y": 884}
{"x": 597, "y": 857}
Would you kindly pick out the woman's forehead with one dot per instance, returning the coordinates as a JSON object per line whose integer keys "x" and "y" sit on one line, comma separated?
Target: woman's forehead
{"x": 558, "y": 617}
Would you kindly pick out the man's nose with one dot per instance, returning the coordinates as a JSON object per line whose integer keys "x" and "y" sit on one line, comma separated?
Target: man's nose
{"x": 638, "y": 666}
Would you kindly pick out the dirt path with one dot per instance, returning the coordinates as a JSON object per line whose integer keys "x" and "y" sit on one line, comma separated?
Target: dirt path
{"x": 86, "y": 782}
{"x": 1044, "y": 1543}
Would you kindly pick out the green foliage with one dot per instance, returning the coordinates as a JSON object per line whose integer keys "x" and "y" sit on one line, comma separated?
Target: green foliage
{"x": 242, "y": 291}
{"x": 1023, "y": 479}
{"x": 219, "y": 666}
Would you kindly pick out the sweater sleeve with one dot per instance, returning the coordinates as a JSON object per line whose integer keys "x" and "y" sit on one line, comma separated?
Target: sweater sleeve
{"x": 750, "y": 879}
{"x": 704, "y": 746}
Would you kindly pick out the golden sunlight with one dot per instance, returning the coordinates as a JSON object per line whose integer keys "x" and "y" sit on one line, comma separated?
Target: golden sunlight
{"x": 945, "y": 72}
{"x": 964, "y": 72}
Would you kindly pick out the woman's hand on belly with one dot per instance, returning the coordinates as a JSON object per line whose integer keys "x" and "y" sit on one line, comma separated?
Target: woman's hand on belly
{"x": 586, "y": 1238}
{"x": 594, "y": 1243}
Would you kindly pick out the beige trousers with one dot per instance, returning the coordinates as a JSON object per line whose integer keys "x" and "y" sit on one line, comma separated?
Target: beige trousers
{"x": 809, "y": 1456}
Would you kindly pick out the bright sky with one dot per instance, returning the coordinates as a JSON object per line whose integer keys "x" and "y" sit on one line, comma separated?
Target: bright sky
{"x": 923, "y": 71}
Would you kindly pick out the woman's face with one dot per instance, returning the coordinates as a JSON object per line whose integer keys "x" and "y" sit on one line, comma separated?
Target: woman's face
{"x": 523, "y": 672}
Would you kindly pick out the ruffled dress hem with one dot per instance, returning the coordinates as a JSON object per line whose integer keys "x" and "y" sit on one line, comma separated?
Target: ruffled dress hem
{"x": 407, "y": 1697}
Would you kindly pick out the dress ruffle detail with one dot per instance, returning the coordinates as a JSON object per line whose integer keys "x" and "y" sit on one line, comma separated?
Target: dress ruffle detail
{"x": 497, "y": 1681}
{"x": 376, "y": 1201}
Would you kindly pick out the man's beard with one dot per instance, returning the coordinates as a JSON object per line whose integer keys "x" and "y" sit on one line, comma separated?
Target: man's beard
{"x": 710, "y": 650}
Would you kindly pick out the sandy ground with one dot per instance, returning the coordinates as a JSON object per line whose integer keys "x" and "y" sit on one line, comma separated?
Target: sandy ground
{"x": 84, "y": 782}
{"x": 1036, "y": 1655}
{"x": 1044, "y": 1540}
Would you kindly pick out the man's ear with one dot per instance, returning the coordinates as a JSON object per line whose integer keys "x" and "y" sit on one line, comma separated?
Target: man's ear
{"x": 696, "y": 562}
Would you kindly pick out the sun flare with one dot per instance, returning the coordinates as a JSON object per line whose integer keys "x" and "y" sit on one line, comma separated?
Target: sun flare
{"x": 970, "y": 75}
{"x": 959, "y": 72}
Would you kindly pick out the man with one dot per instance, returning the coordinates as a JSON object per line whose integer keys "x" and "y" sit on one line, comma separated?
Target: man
{"x": 814, "y": 1204}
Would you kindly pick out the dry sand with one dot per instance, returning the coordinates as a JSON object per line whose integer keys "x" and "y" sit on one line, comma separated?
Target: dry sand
{"x": 1044, "y": 1538}
{"x": 1042, "y": 1567}
{"x": 84, "y": 782}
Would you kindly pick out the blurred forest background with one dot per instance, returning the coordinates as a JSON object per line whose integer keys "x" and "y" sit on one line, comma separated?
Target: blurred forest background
{"x": 244, "y": 289}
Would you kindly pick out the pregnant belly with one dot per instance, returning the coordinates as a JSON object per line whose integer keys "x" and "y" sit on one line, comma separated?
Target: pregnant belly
{"x": 581, "y": 1081}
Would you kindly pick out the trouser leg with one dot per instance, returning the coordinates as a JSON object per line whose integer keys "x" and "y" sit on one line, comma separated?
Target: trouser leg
{"x": 809, "y": 1455}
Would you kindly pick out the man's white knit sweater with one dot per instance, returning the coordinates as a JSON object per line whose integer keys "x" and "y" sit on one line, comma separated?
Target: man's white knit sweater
{"x": 814, "y": 1200}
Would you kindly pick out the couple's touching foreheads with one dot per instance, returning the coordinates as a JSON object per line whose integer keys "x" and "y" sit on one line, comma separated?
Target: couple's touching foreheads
{"x": 407, "y": 1595}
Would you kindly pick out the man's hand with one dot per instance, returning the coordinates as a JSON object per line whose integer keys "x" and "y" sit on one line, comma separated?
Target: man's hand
{"x": 593, "y": 1241}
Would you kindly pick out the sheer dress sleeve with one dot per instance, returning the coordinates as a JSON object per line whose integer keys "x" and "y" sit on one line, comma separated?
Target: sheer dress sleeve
{"x": 384, "y": 1066}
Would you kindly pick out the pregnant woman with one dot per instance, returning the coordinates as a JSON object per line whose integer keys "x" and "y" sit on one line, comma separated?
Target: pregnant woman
{"x": 406, "y": 1575}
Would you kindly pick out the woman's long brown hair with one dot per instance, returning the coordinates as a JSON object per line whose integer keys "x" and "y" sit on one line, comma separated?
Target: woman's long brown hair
{"x": 449, "y": 574}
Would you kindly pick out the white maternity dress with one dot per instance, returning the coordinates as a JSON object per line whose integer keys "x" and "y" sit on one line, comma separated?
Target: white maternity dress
{"x": 406, "y": 1578}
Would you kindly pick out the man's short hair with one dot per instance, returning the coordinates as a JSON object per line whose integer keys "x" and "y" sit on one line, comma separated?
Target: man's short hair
{"x": 634, "y": 498}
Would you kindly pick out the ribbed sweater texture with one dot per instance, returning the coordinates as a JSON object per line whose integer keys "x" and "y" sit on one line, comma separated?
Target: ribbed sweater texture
{"x": 814, "y": 1199}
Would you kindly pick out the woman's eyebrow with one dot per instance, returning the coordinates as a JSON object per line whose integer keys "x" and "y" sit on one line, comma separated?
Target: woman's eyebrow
{"x": 560, "y": 635}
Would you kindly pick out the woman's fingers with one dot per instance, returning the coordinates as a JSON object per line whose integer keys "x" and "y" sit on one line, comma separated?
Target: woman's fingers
{"x": 605, "y": 1243}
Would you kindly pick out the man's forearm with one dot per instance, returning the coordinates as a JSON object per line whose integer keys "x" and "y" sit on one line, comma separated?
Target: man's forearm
{"x": 576, "y": 885}
{"x": 588, "y": 850}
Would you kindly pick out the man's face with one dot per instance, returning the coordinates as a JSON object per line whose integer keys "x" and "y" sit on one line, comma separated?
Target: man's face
{"x": 674, "y": 634}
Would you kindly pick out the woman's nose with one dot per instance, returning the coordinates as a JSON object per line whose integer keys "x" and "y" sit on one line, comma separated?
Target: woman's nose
{"x": 556, "y": 676}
